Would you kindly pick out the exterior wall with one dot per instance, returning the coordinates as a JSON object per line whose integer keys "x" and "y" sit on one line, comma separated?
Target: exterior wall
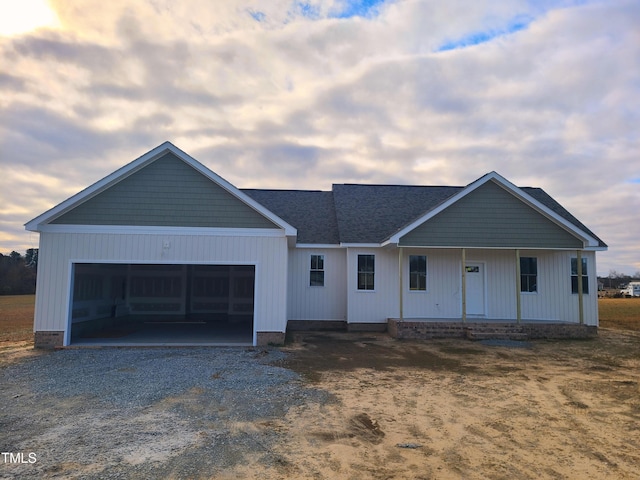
{"x": 317, "y": 303}
{"x": 373, "y": 306}
{"x": 500, "y": 281}
{"x": 442, "y": 299}
{"x": 490, "y": 217}
{"x": 552, "y": 301}
{"x": 58, "y": 251}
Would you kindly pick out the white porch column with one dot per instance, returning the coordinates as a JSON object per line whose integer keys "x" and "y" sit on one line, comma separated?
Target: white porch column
{"x": 580, "y": 295}
{"x": 400, "y": 299}
{"x": 518, "y": 288}
{"x": 464, "y": 286}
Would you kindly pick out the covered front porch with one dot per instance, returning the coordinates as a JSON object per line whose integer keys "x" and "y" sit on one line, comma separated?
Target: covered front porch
{"x": 501, "y": 284}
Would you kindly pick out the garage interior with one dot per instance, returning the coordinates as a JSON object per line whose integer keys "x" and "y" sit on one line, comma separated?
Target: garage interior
{"x": 162, "y": 304}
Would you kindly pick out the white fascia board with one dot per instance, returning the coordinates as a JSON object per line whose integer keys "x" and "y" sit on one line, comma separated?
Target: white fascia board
{"x": 318, "y": 245}
{"x": 458, "y": 247}
{"x": 361, "y": 245}
{"x": 151, "y": 230}
{"x": 37, "y": 223}
{"x": 510, "y": 187}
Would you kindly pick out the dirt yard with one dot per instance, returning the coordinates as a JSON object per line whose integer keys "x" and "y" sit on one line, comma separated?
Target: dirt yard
{"x": 329, "y": 405}
{"x": 456, "y": 409}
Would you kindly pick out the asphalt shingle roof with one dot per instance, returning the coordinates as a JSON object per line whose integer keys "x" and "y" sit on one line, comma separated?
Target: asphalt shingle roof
{"x": 372, "y": 213}
{"x": 311, "y": 212}
{"x": 353, "y": 213}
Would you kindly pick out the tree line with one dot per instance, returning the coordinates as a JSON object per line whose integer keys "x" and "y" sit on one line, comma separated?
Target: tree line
{"x": 18, "y": 273}
{"x": 617, "y": 280}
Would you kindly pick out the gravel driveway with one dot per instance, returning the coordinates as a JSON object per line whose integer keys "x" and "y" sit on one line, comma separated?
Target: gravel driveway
{"x": 144, "y": 413}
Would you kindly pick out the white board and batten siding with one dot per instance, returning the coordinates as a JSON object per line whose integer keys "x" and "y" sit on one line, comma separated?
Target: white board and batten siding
{"x": 328, "y": 302}
{"x": 553, "y": 300}
{"x": 442, "y": 298}
{"x": 381, "y": 303}
{"x": 59, "y": 251}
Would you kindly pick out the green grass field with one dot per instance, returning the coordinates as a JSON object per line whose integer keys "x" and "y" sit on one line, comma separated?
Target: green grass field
{"x": 16, "y": 316}
{"x": 620, "y": 313}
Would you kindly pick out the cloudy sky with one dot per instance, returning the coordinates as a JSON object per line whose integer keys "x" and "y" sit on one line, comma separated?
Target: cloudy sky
{"x": 303, "y": 94}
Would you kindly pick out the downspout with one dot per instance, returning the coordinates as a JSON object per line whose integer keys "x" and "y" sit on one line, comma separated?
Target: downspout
{"x": 518, "y": 288}
{"x": 580, "y": 295}
{"x": 464, "y": 286}
{"x": 400, "y": 283}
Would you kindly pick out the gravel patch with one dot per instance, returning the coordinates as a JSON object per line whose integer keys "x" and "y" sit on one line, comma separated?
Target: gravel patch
{"x": 145, "y": 413}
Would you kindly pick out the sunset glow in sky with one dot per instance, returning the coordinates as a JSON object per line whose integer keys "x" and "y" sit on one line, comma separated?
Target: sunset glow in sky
{"x": 303, "y": 94}
{"x": 23, "y": 16}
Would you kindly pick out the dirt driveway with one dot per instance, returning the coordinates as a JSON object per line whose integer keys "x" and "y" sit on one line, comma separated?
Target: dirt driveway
{"x": 347, "y": 406}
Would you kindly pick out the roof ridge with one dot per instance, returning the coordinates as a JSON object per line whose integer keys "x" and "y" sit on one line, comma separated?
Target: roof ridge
{"x": 394, "y": 185}
{"x": 284, "y": 190}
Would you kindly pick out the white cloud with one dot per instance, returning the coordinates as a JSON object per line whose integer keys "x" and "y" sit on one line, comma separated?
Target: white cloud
{"x": 269, "y": 97}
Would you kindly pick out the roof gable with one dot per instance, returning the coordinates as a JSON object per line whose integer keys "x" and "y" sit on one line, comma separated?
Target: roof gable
{"x": 167, "y": 188}
{"x": 490, "y": 216}
{"x": 504, "y": 209}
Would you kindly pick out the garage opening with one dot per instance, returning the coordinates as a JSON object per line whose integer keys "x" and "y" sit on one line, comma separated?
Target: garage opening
{"x": 158, "y": 304}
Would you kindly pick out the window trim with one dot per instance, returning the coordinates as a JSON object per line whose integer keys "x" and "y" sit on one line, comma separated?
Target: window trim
{"x": 426, "y": 275}
{"x": 537, "y": 276}
{"x": 316, "y": 270}
{"x": 373, "y": 272}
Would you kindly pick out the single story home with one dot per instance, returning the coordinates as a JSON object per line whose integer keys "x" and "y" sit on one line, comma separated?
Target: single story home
{"x": 165, "y": 246}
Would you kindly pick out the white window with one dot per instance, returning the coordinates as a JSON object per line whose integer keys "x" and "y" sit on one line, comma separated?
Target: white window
{"x": 316, "y": 272}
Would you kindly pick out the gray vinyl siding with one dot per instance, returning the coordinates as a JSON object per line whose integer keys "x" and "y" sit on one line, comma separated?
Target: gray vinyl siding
{"x": 490, "y": 217}
{"x": 167, "y": 192}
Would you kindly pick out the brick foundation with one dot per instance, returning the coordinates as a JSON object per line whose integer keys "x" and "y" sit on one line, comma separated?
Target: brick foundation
{"x": 270, "y": 338}
{"x": 425, "y": 330}
{"x": 560, "y": 330}
{"x": 48, "y": 339}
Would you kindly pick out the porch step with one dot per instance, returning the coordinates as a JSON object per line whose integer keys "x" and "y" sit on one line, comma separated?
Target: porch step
{"x": 495, "y": 333}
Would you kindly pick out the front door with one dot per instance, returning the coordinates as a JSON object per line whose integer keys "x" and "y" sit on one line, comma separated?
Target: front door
{"x": 475, "y": 288}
